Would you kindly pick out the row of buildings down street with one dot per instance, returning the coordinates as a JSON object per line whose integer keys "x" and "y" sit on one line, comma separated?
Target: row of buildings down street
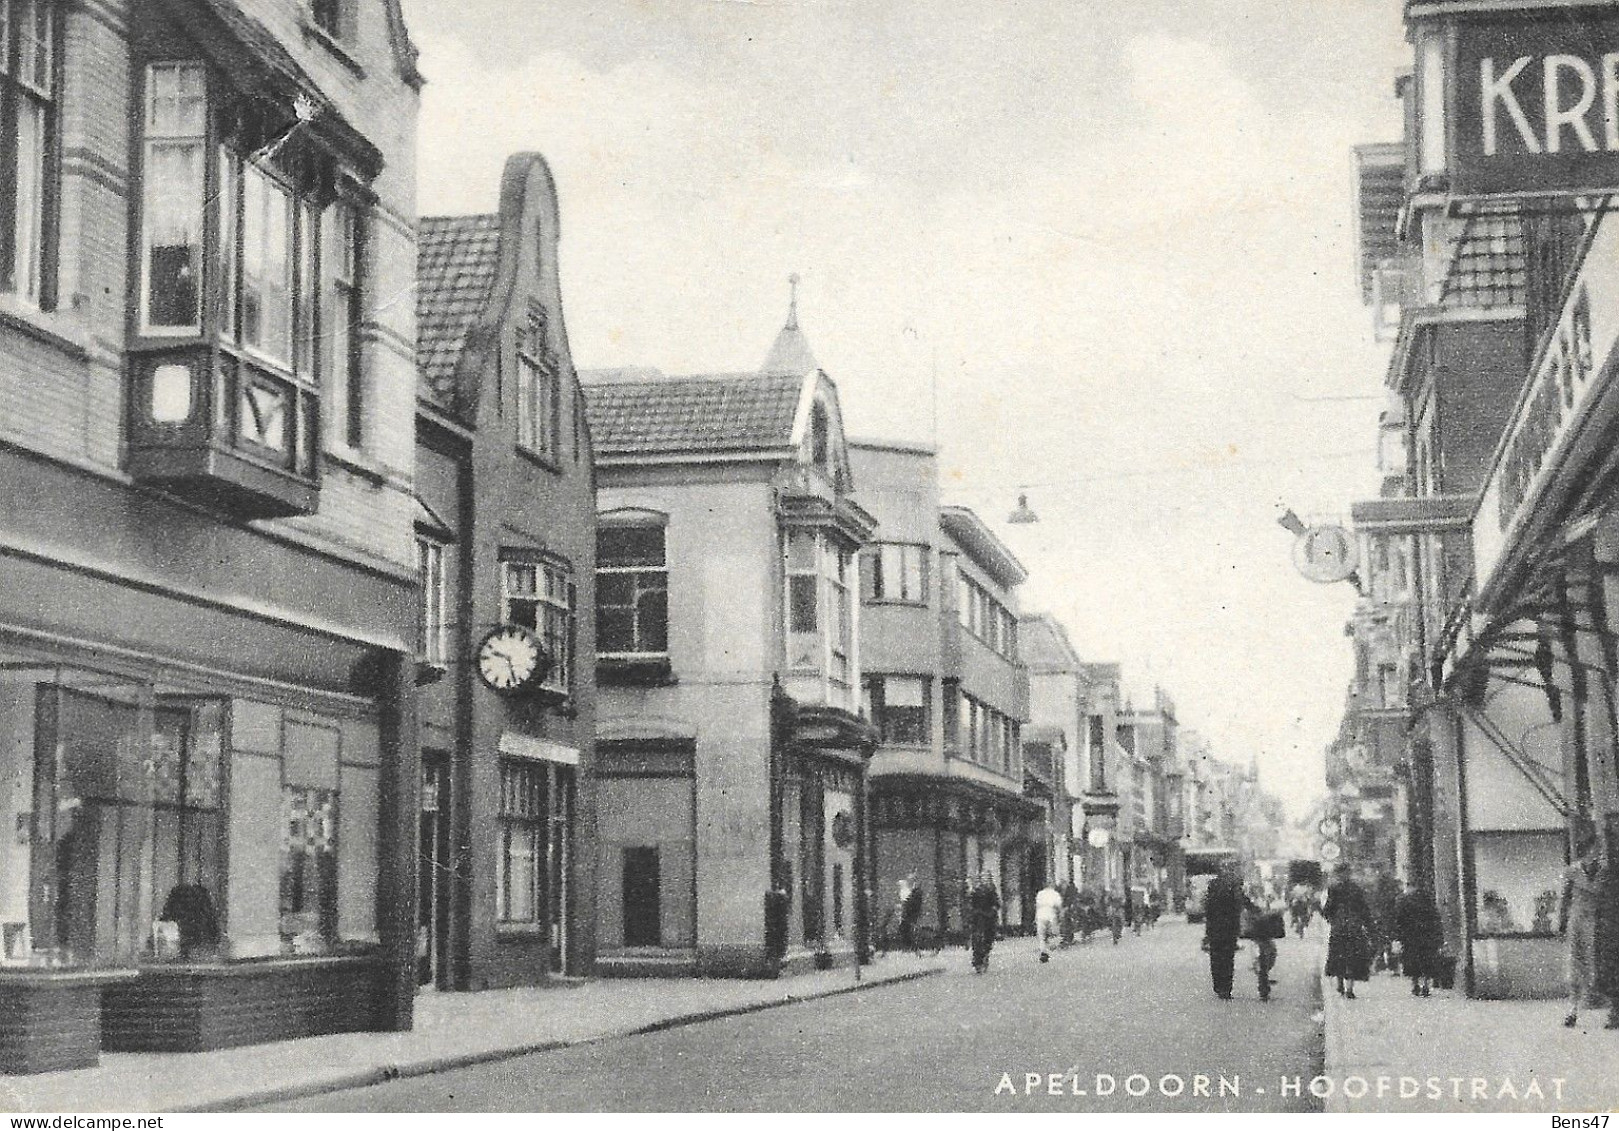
{"x": 355, "y": 647}
{"x": 1477, "y": 751}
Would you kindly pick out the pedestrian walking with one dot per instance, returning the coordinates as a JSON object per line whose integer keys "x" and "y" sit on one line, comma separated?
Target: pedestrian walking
{"x": 983, "y": 915}
{"x": 910, "y": 910}
{"x": 1349, "y": 944}
{"x": 1047, "y": 918}
{"x": 1418, "y": 931}
{"x": 1583, "y": 884}
{"x": 1222, "y": 926}
{"x": 1070, "y": 912}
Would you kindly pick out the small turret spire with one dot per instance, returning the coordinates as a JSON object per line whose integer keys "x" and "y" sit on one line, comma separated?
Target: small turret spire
{"x": 790, "y": 354}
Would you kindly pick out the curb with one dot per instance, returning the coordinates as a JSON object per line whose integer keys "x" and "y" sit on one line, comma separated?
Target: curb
{"x": 386, "y": 1073}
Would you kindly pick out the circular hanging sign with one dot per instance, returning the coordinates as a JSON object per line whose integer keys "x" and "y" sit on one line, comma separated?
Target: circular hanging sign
{"x": 1330, "y": 851}
{"x": 1325, "y": 554}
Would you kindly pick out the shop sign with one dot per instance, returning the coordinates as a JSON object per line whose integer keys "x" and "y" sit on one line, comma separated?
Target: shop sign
{"x": 1536, "y": 104}
{"x": 1552, "y": 407}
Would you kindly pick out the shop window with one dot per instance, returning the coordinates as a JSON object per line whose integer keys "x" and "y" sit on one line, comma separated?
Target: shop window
{"x": 28, "y": 126}
{"x": 308, "y": 869}
{"x": 540, "y": 596}
{"x": 632, "y": 591}
{"x": 895, "y": 571}
{"x": 114, "y": 790}
{"x": 1517, "y": 881}
{"x": 898, "y": 705}
{"x": 520, "y": 877}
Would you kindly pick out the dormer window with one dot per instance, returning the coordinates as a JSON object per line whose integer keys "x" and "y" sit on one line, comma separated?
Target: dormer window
{"x": 820, "y": 438}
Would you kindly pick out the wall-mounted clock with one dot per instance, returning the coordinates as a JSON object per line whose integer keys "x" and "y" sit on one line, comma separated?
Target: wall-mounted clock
{"x": 511, "y": 658}
{"x": 1325, "y": 554}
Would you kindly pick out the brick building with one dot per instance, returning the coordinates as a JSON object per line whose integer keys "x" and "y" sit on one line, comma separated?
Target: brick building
{"x": 207, "y": 588}
{"x": 506, "y": 547}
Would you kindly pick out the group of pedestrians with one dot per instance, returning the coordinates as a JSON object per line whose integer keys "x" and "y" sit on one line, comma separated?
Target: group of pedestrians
{"x": 1229, "y": 915}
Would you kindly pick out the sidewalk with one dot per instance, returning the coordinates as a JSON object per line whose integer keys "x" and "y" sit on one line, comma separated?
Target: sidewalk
{"x": 452, "y": 1030}
{"x": 1452, "y": 1054}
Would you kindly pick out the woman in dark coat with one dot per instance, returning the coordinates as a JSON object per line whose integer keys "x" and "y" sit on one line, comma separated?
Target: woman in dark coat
{"x": 1349, "y": 946}
{"x": 1416, "y": 926}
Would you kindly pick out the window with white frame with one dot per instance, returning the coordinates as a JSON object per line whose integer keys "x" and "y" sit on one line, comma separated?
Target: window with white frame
{"x": 540, "y": 596}
{"x": 27, "y": 135}
{"x": 172, "y": 194}
{"x": 895, "y": 571}
{"x": 341, "y": 319}
{"x": 520, "y": 874}
{"x": 898, "y": 706}
{"x": 632, "y": 590}
{"x": 820, "y": 611}
{"x": 538, "y": 389}
{"x": 248, "y": 229}
{"x": 431, "y": 627}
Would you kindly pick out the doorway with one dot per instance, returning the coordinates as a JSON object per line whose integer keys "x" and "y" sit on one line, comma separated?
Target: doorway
{"x": 642, "y": 897}
{"x": 432, "y": 896}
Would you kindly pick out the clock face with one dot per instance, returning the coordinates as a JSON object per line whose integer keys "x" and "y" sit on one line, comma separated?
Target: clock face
{"x": 1325, "y": 553}
{"x": 509, "y": 658}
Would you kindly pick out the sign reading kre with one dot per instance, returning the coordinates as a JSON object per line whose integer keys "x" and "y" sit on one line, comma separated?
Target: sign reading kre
{"x": 1536, "y": 105}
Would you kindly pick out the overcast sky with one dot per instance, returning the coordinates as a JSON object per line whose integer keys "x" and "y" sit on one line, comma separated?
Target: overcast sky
{"x": 1116, "y": 239}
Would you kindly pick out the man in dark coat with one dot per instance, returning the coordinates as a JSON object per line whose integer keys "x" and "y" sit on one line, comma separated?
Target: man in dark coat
{"x": 1417, "y": 927}
{"x": 1222, "y": 926}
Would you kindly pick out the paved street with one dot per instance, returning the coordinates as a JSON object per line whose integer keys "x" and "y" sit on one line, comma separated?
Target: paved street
{"x": 940, "y": 1044}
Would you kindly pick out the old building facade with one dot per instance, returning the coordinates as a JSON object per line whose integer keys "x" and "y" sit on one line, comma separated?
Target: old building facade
{"x": 948, "y": 694}
{"x": 731, "y": 755}
{"x": 505, "y": 551}
{"x": 208, "y": 607}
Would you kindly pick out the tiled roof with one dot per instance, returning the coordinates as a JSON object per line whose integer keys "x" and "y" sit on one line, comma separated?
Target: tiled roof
{"x": 456, "y": 259}
{"x": 1379, "y": 193}
{"x": 1488, "y": 267}
{"x": 725, "y": 413}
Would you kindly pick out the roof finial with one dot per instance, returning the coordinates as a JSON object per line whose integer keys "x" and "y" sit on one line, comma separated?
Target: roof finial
{"x": 792, "y": 302}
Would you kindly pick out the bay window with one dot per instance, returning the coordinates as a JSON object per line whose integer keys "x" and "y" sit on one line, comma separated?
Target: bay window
{"x": 820, "y": 615}
{"x": 173, "y": 189}
{"x": 248, "y": 296}
{"x": 895, "y": 571}
{"x": 540, "y": 596}
{"x": 898, "y": 706}
{"x": 27, "y": 134}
